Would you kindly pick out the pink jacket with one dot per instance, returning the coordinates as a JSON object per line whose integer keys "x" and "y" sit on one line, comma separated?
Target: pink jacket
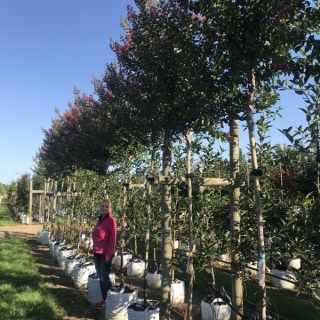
{"x": 104, "y": 236}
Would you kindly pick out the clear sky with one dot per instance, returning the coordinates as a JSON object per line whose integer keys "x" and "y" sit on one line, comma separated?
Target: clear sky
{"x": 47, "y": 48}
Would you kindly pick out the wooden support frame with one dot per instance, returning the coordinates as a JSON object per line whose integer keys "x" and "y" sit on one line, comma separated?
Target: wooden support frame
{"x": 200, "y": 181}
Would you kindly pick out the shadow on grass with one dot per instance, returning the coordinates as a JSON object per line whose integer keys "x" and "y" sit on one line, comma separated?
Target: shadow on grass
{"x": 67, "y": 296}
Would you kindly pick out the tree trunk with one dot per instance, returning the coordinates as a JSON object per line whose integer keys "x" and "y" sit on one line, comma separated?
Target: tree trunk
{"x": 190, "y": 258}
{"x": 254, "y": 161}
{"x": 165, "y": 292}
{"x": 147, "y": 241}
{"x": 124, "y": 202}
{"x": 237, "y": 289}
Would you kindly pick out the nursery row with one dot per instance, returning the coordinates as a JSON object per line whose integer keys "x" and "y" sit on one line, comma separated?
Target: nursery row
{"x": 122, "y": 301}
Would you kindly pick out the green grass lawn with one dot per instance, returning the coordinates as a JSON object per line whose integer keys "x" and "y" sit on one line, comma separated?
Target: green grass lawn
{"x": 5, "y": 216}
{"x": 23, "y": 294}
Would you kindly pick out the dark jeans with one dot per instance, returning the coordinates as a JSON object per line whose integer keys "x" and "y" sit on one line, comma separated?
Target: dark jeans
{"x": 103, "y": 269}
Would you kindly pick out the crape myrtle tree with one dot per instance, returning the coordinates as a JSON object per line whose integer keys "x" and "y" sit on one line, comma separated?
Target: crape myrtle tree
{"x": 258, "y": 40}
{"x": 241, "y": 46}
{"x": 161, "y": 58}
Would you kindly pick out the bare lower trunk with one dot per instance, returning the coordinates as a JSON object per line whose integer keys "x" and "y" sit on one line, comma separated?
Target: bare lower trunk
{"x": 254, "y": 161}
{"x": 165, "y": 293}
{"x": 190, "y": 258}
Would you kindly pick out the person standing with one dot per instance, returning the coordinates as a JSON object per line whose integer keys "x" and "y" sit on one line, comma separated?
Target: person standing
{"x": 104, "y": 246}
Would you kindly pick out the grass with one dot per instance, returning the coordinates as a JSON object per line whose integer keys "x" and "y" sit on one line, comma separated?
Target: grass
{"x": 5, "y": 216}
{"x": 23, "y": 294}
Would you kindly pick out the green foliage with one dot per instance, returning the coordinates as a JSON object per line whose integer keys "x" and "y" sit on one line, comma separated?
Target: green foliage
{"x": 23, "y": 192}
{"x": 3, "y": 189}
{"x": 5, "y": 216}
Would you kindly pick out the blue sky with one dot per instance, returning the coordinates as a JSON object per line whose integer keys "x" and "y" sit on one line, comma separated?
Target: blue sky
{"x": 47, "y": 48}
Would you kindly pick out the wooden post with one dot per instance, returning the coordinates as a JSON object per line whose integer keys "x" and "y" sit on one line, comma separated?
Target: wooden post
{"x": 237, "y": 291}
{"x": 30, "y": 202}
{"x": 44, "y": 205}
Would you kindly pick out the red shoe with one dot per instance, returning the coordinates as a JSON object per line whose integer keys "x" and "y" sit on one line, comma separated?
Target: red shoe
{"x": 101, "y": 305}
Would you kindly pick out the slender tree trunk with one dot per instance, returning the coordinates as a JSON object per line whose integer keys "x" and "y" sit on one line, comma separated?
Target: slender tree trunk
{"x": 106, "y": 186}
{"x": 147, "y": 241}
{"x": 165, "y": 292}
{"x": 254, "y": 161}
{"x": 237, "y": 289}
{"x": 190, "y": 258}
{"x": 124, "y": 202}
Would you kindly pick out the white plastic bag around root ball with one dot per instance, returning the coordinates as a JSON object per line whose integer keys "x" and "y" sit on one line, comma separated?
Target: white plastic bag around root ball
{"x": 117, "y": 260}
{"x": 138, "y": 310}
{"x": 63, "y": 262}
{"x": 94, "y": 291}
{"x": 58, "y": 246}
{"x": 215, "y": 309}
{"x": 45, "y": 237}
{"x": 51, "y": 245}
{"x": 39, "y": 236}
{"x": 66, "y": 252}
{"x": 154, "y": 278}
{"x": 136, "y": 268}
{"x": 178, "y": 291}
{"x": 118, "y": 301}
{"x": 71, "y": 262}
{"x": 81, "y": 274}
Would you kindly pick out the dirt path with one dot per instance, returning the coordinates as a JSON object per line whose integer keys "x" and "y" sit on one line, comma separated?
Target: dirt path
{"x": 21, "y": 230}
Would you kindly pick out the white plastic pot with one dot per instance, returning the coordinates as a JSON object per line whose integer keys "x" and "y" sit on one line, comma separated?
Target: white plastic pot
{"x": 283, "y": 283}
{"x": 51, "y": 245}
{"x": 94, "y": 291}
{"x": 119, "y": 300}
{"x": 66, "y": 252}
{"x": 71, "y": 262}
{"x": 225, "y": 261}
{"x": 215, "y": 309}
{"x": 253, "y": 273}
{"x": 39, "y": 236}
{"x": 136, "y": 268}
{"x": 176, "y": 244}
{"x": 138, "y": 311}
{"x": 117, "y": 260}
{"x": 45, "y": 237}
{"x": 178, "y": 291}
{"x": 25, "y": 219}
{"x": 57, "y": 246}
{"x": 81, "y": 274}
{"x": 154, "y": 279}
{"x": 295, "y": 263}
